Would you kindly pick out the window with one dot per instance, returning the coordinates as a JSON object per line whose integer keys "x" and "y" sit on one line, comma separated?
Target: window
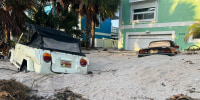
{"x": 98, "y": 25}
{"x": 144, "y": 14}
{"x": 144, "y": 11}
{"x": 196, "y": 36}
{"x": 58, "y": 45}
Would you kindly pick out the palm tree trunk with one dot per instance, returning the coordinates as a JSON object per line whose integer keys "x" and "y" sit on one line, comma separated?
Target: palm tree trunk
{"x": 88, "y": 32}
{"x": 93, "y": 34}
{"x": 7, "y": 35}
{"x": 6, "y": 32}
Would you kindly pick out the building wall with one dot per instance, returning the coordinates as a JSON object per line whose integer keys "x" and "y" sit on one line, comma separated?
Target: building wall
{"x": 171, "y": 16}
{"x": 104, "y": 31}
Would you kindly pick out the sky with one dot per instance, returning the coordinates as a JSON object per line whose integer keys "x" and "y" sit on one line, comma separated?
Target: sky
{"x": 115, "y": 23}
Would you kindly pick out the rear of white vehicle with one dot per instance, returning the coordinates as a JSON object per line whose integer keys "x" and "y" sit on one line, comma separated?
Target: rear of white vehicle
{"x": 49, "y": 51}
{"x": 56, "y": 62}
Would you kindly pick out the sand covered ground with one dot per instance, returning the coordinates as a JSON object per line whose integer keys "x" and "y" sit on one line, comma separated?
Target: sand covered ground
{"x": 119, "y": 75}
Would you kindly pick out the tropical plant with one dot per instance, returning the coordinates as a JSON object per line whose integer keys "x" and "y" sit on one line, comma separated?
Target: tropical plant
{"x": 193, "y": 30}
{"x": 61, "y": 19}
{"x": 69, "y": 22}
{"x": 92, "y": 8}
{"x": 13, "y": 17}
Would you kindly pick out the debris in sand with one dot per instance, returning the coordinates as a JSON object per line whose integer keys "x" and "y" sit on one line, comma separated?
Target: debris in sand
{"x": 163, "y": 84}
{"x": 193, "y": 90}
{"x": 181, "y": 97}
{"x": 190, "y": 62}
{"x": 13, "y": 90}
{"x": 105, "y": 49}
{"x": 68, "y": 95}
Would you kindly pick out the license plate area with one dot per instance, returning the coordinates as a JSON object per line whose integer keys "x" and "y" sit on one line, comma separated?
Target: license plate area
{"x": 154, "y": 51}
{"x": 65, "y": 64}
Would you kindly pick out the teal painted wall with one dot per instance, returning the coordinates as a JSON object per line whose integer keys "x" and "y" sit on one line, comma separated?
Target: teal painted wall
{"x": 126, "y": 12}
{"x": 182, "y": 12}
{"x": 168, "y": 11}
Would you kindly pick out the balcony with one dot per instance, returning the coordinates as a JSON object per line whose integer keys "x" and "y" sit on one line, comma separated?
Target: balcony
{"x": 114, "y": 30}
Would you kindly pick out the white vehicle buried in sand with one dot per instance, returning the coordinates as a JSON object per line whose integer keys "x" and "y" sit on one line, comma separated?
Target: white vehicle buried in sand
{"x": 48, "y": 51}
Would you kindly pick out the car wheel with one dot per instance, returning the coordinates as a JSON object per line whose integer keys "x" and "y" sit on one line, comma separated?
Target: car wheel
{"x": 24, "y": 68}
{"x": 1, "y": 57}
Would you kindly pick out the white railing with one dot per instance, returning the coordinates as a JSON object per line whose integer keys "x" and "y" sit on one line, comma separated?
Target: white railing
{"x": 114, "y": 30}
{"x": 131, "y": 1}
{"x": 106, "y": 43}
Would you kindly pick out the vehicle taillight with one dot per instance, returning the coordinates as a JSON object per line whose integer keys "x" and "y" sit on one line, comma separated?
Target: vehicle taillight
{"x": 47, "y": 57}
{"x": 143, "y": 51}
{"x": 177, "y": 46}
{"x": 166, "y": 50}
{"x": 83, "y": 62}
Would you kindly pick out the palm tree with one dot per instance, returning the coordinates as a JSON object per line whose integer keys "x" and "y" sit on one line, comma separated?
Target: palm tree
{"x": 13, "y": 17}
{"x": 61, "y": 19}
{"x": 91, "y": 8}
{"x": 193, "y": 30}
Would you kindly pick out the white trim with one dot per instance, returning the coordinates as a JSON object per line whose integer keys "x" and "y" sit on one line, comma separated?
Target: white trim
{"x": 191, "y": 40}
{"x": 151, "y": 33}
{"x": 104, "y": 34}
{"x": 153, "y": 25}
{"x": 132, "y": 1}
{"x": 157, "y": 7}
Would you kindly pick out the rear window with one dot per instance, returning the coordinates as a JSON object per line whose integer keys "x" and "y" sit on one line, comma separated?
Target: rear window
{"x": 160, "y": 44}
{"x": 58, "y": 45}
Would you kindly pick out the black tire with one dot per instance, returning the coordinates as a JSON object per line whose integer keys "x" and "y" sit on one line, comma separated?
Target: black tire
{"x": 24, "y": 68}
{"x": 90, "y": 72}
{"x": 9, "y": 55}
{"x": 1, "y": 57}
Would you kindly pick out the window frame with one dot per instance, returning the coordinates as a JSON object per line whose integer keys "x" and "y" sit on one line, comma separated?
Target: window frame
{"x": 191, "y": 39}
{"x": 143, "y": 13}
{"x": 198, "y": 37}
{"x": 144, "y": 20}
{"x": 99, "y": 18}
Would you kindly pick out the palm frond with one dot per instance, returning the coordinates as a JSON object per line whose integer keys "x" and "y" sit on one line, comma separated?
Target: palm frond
{"x": 193, "y": 30}
{"x": 188, "y": 35}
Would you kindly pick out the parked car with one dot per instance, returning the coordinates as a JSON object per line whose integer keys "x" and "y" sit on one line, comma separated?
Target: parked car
{"x": 164, "y": 47}
{"x": 45, "y": 50}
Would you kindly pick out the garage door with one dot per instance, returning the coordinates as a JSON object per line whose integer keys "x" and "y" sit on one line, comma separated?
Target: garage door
{"x": 136, "y": 42}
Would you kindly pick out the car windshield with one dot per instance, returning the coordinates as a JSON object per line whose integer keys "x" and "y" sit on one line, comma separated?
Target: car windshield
{"x": 58, "y": 45}
{"x": 160, "y": 44}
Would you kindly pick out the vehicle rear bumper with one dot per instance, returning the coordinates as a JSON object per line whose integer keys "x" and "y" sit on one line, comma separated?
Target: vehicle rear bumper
{"x": 49, "y": 68}
{"x": 169, "y": 54}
